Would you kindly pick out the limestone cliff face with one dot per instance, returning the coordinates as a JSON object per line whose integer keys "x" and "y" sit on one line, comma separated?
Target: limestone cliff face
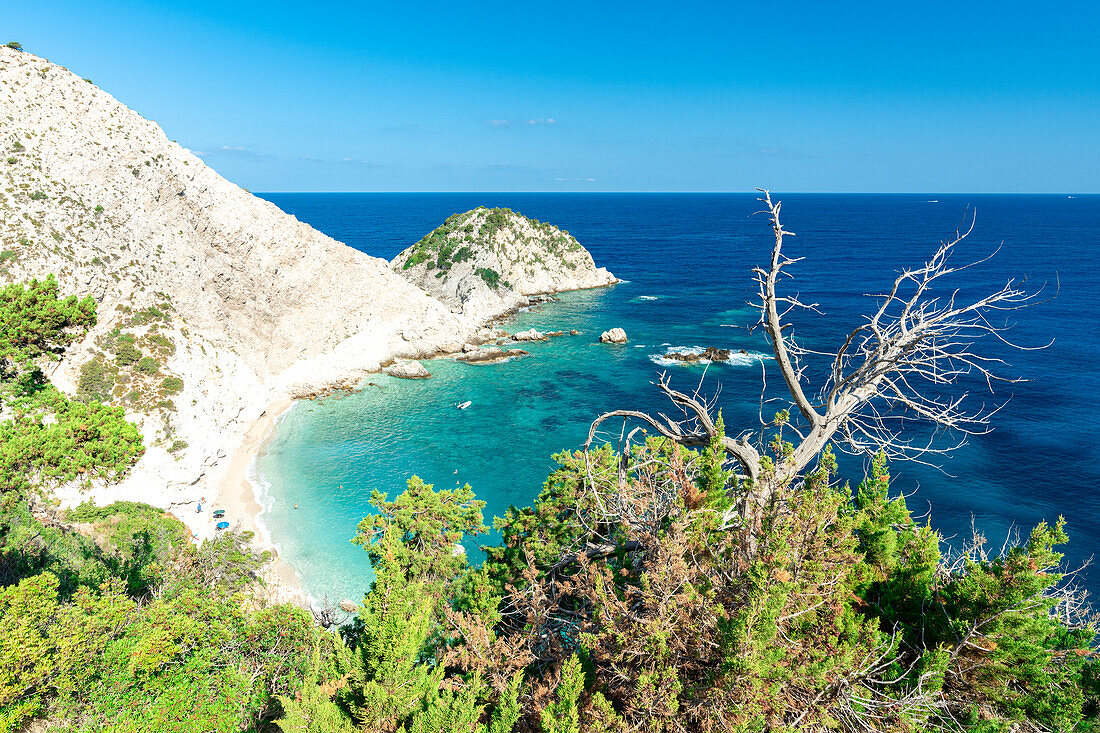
{"x": 234, "y": 300}
{"x": 487, "y": 261}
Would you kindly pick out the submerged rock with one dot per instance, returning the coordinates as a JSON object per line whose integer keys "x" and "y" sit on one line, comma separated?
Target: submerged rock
{"x": 613, "y": 336}
{"x": 408, "y": 370}
{"x": 711, "y": 353}
{"x": 490, "y": 355}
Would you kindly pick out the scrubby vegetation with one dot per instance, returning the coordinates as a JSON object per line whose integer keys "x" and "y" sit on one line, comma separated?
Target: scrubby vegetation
{"x": 633, "y": 603}
{"x": 491, "y": 277}
{"x": 461, "y": 235}
{"x": 110, "y": 618}
{"x": 130, "y": 366}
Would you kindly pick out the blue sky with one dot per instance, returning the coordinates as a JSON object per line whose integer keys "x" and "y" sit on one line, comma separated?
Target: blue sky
{"x": 595, "y": 96}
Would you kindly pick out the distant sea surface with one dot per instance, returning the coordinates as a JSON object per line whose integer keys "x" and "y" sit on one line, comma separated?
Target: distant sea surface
{"x": 687, "y": 261}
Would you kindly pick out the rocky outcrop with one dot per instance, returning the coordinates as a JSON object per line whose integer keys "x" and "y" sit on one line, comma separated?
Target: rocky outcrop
{"x": 408, "y": 370}
{"x": 613, "y": 336}
{"x": 711, "y": 353}
{"x": 238, "y": 302}
{"x": 488, "y": 261}
{"x": 529, "y": 335}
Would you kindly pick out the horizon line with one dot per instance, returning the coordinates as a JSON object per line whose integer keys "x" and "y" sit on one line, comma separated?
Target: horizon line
{"x": 1071, "y": 194}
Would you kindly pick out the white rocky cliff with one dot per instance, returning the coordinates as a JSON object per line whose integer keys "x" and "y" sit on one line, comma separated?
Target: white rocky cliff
{"x": 235, "y": 301}
{"x": 487, "y": 261}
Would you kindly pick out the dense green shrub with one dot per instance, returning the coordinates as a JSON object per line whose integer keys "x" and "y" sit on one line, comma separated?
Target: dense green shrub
{"x": 35, "y": 322}
{"x": 125, "y": 350}
{"x": 171, "y": 385}
{"x": 96, "y": 382}
{"x": 491, "y": 277}
{"x": 148, "y": 365}
{"x": 79, "y": 440}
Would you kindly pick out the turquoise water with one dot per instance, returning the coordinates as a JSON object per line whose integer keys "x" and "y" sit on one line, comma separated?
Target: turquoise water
{"x": 688, "y": 259}
{"x": 327, "y": 455}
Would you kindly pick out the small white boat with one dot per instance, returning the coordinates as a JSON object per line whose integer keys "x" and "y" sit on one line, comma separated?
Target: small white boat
{"x": 464, "y": 405}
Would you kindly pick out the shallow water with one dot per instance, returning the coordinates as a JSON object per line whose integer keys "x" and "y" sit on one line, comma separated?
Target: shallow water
{"x": 687, "y": 262}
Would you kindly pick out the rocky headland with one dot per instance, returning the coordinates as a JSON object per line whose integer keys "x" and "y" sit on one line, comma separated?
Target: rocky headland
{"x": 485, "y": 262}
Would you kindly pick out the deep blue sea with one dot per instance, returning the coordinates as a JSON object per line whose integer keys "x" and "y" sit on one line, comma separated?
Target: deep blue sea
{"x": 687, "y": 262}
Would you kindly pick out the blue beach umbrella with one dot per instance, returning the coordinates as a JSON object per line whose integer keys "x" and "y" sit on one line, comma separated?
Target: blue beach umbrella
{"x": 222, "y": 525}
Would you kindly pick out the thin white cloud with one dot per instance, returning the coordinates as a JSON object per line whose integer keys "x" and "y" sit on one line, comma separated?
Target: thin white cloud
{"x": 533, "y": 121}
{"x": 229, "y": 150}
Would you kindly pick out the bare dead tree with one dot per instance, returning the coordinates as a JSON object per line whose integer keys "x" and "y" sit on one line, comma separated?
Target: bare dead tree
{"x": 890, "y": 370}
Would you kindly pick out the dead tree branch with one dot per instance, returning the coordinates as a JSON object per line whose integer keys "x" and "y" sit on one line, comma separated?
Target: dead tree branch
{"x": 892, "y": 369}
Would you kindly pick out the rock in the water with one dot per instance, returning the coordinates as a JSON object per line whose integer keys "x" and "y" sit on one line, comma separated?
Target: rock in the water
{"x": 614, "y": 336}
{"x": 574, "y": 332}
{"x": 554, "y": 333}
{"x": 469, "y": 348}
{"x": 530, "y": 335}
{"x": 348, "y": 606}
{"x": 408, "y": 370}
{"x": 490, "y": 355}
{"x": 711, "y": 353}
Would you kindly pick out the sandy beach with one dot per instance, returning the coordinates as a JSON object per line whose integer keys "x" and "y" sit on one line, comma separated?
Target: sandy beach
{"x": 237, "y": 496}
